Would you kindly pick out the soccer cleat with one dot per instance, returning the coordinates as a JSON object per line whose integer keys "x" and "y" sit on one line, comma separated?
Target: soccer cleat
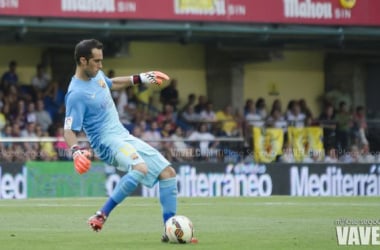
{"x": 164, "y": 238}
{"x": 194, "y": 240}
{"x": 97, "y": 220}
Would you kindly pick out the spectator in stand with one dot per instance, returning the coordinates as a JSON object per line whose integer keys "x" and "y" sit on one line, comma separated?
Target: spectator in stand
{"x": 181, "y": 151}
{"x": 331, "y": 155}
{"x": 204, "y": 142}
{"x": 277, "y": 120}
{"x": 47, "y": 150}
{"x": 10, "y": 77}
{"x": 3, "y": 116}
{"x": 31, "y": 113}
{"x": 137, "y": 131}
{"x": 20, "y": 116}
{"x": 167, "y": 116}
{"x": 247, "y": 105}
{"x": 208, "y": 114}
{"x": 42, "y": 116}
{"x": 201, "y": 104}
{"x": 343, "y": 120}
{"x": 166, "y": 132}
{"x": 190, "y": 118}
{"x": 294, "y": 116}
{"x": 287, "y": 154}
{"x": 40, "y": 81}
{"x": 31, "y": 148}
{"x": 7, "y": 133}
{"x": 60, "y": 145}
{"x": 152, "y": 135}
{"x": 229, "y": 125}
{"x": 328, "y": 123}
{"x": 190, "y": 102}
{"x": 352, "y": 156}
{"x": 12, "y": 98}
{"x": 54, "y": 99}
{"x": 276, "y": 105}
{"x": 305, "y": 109}
{"x": 169, "y": 95}
{"x": 366, "y": 156}
{"x": 360, "y": 126}
{"x": 252, "y": 117}
{"x": 261, "y": 108}
{"x": 16, "y": 130}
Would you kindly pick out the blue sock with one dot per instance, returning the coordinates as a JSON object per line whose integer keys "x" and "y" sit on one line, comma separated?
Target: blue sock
{"x": 125, "y": 187}
{"x": 168, "y": 197}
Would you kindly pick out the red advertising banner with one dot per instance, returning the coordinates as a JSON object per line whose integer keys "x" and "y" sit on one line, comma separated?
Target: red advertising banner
{"x": 318, "y": 12}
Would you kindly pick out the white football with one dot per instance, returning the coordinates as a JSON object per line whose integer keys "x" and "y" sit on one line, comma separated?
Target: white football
{"x": 179, "y": 229}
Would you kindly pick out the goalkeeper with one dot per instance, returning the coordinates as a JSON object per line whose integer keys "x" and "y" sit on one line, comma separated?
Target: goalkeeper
{"x": 90, "y": 107}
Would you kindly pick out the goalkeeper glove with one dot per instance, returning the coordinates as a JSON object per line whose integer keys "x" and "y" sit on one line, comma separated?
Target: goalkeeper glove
{"x": 151, "y": 77}
{"x": 81, "y": 159}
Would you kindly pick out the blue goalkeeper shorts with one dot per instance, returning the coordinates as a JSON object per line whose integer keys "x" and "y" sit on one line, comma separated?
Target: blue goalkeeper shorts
{"x": 129, "y": 151}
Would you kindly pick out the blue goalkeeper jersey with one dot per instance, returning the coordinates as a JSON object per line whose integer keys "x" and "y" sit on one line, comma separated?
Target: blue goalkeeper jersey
{"x": 90, "y": 107}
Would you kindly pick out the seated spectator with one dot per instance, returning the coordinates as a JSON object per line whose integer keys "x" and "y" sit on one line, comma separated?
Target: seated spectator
{"x": 61, "y": 146}
{"x": 31, "y": 113}
{"x": 360, "y": 126}
{"x": 208, "y": 115}
{"x": 42, "y": 116}
{"x": 167, "y": 144}
{"x": 47, "y": 150}
{"x": 277, "y": 120}
{"x": 331, "y": 155}
{"x": 305, "y": 109}
{"x": 294, "y": 116}
{"x": 353, "y": 156}
{"x": 201, "y": 104}
{"x": 276, "y": 105}
{"x": 190, "y": 102}
{"x": 9, "y": 77}
{"x": 189, "y": 117}
{"x": 180, "y": 151}
{"x": 152, "y": 135}
{"x": 229, "y": 125}
{"x": 167, "y": 116}
{"x": 253, "y": 118}
{"x": 41, "y": 80}
{"x": 366, "y": 156}
{"x": 328, "y": 123}
{"x": 247, "y": 105}
{"x": 204, "y": 142}
{"x": 287, "y": 154}
{"x": 261, "y": 108}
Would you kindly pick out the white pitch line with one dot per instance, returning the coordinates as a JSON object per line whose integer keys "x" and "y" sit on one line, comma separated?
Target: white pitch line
{"x": 253, "y": 203}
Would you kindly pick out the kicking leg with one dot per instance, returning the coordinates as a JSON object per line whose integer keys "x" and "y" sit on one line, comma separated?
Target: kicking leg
{"x": 123, "y": 189}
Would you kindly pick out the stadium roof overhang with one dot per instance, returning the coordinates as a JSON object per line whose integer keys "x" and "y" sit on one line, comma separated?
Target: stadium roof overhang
{"x": 66, "y": 32}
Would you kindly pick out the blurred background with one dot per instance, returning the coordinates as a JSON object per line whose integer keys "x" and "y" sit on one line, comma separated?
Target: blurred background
{"x": 281, "y": 81}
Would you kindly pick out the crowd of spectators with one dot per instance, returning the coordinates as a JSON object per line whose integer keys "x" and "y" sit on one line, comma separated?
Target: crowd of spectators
{"x": 192, "y": 131}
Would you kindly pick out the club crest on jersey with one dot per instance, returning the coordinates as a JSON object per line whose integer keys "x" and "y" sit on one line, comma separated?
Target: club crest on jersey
{"x": 102, "y": 83}
{"x": 134, "y": 156}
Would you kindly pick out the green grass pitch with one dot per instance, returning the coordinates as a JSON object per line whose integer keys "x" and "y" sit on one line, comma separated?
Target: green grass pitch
{"x": 220, "y": 223}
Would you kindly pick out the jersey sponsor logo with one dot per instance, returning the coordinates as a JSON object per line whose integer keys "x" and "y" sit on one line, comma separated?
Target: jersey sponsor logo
{"x": 68, "y": 122}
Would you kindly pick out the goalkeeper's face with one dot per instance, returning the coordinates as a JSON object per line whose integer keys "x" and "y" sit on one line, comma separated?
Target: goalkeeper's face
{"x": 94, "y": 64}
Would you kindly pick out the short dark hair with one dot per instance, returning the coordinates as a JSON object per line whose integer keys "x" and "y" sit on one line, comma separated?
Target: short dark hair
{"x": 84, "y": 49}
